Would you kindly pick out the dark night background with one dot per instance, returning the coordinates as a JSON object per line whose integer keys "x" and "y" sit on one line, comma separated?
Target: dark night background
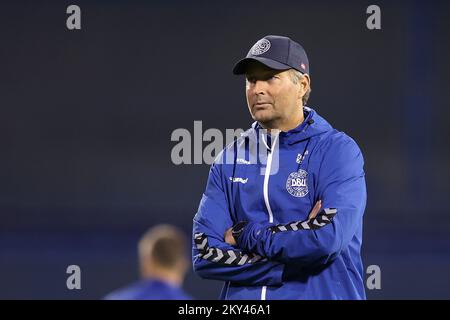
{"x": 86, "y": 118}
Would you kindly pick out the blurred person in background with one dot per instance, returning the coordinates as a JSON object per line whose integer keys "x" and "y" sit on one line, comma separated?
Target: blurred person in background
{"x": 163, "y": 266}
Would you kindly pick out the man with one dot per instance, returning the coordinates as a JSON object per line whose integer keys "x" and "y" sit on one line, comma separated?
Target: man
{"x": 290, "y": 229}
{"x": 163, "y": 265}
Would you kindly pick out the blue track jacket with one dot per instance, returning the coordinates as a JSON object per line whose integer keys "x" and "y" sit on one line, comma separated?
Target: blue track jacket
{"x": 282, "y": 254}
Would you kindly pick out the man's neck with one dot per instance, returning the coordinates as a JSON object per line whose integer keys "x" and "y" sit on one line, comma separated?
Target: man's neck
{"x": 287, "y": 125}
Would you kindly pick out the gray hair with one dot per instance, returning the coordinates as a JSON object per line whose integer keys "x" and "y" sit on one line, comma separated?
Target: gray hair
{"x": 295, "y": 77}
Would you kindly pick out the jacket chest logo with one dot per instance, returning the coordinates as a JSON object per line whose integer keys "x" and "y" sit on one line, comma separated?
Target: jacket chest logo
{"x": 301, "y": 157}
{"x": 297, "y": 183}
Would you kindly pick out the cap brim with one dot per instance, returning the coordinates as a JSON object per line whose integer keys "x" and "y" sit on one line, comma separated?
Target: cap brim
{"x": 241, "y": 66}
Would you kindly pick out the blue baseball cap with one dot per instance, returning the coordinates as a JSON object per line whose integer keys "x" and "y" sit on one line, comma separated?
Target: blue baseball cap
{"x": 276, "y": 52}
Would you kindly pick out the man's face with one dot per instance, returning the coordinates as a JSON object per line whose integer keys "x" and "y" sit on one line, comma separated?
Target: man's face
{"x": 272, "y": 96}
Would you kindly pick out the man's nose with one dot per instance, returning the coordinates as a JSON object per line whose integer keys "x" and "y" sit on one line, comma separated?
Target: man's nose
{"x": 259, "y": 87}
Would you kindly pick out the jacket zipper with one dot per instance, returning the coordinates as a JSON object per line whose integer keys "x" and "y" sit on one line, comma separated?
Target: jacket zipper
{"x": 266, "y": 196}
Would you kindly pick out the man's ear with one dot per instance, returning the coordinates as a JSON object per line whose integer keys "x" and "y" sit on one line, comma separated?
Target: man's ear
{"x": 305, "y": 83}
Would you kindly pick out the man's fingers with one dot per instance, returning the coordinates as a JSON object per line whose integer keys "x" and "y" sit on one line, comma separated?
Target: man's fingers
{"x": 229, "y": 237}
{"x": 315, "y": 210}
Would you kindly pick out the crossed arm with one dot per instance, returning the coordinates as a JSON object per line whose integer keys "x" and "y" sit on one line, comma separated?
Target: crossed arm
{"x": 261, "y": 252}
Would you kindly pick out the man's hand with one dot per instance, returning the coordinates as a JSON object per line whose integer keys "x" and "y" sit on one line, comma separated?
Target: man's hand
{"x": 315, "y": 210}
{"x": 229, "y": 237}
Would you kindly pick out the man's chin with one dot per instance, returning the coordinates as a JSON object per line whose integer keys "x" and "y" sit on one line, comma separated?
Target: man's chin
{"x": 263, "y": 117}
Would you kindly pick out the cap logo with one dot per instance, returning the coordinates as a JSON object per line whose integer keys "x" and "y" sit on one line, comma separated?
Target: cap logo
{"x": 260, "y": 47}
{"x": 303, "y": 66}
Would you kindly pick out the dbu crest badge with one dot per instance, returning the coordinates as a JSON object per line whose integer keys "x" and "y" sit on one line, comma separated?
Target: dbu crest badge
{"x": 297, "y": 183}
